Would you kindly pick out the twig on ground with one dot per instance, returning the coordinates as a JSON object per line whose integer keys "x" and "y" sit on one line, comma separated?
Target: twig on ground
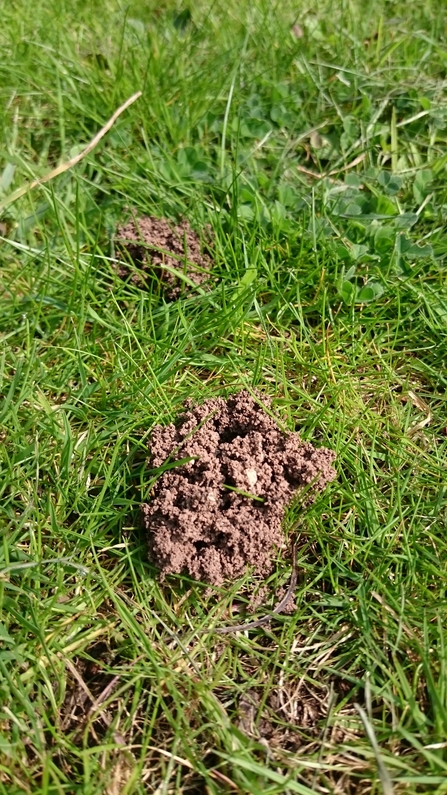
{"x": 334, "y": 171}
{"x": 62, "y": 167}
{"x": 422, "y": 406}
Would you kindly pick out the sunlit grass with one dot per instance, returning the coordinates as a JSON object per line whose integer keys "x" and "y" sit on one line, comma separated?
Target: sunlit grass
{"x": 317, "y": 155}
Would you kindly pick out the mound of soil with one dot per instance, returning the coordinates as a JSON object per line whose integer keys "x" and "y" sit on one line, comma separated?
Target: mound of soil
{"x": 151, "y": 244}
{"x": 223, "y": 510}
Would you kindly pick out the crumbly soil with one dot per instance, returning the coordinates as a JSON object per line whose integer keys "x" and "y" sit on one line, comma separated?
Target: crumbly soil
{"x": 152, "y": 245}
{"x": 222, "y": 511}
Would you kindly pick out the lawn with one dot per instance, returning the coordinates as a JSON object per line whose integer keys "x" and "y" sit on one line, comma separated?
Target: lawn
{"x": 310, "y": 140}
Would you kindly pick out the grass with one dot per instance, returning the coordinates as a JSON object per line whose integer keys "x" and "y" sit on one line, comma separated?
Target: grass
{"x": 331, "y": 298}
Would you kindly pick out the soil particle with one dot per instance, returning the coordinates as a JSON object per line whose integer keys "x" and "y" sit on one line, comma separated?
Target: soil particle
{"x": 222, "y": 511}
{"x": 155, "y": 244}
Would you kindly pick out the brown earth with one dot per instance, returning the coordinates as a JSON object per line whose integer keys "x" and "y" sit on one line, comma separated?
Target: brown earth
{"x": 222, "y": 511}
{"x": 153, "y": 245}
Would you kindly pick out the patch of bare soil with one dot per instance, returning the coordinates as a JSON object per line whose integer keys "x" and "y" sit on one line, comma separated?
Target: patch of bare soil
{"x": 275, "y": 721}
{"x": 222, "y": 511}
{"x": 97, "y": 711}
{"x": 90, "y": 686}
{"x": 293, "y": 714}
{"x": 154, "y": 246}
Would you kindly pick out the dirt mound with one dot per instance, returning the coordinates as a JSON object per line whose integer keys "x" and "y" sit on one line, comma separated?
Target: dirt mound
{"x": 156, "y": 244}
{"x": 223, "y": 510}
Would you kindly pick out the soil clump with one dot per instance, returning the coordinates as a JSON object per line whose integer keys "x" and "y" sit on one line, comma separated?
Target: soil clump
{"x": 222, "y": 510}
{"x": 155, "y": 244}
